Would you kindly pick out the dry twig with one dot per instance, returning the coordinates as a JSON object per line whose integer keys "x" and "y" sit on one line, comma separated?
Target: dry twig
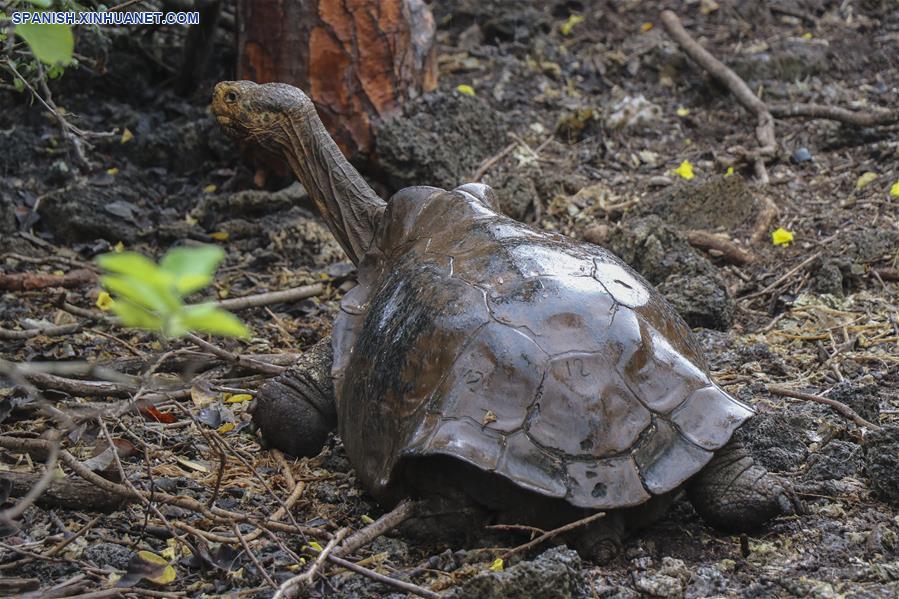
{"x": 402, "y": 512}
{"x": 554, "y": 533}
{"x": 837, "y": 405}
{"x": 731, "y": 252}
{"x": 290, "y": 586}
{"x": 764, "y": 130}
{"x": 271, "y": 297}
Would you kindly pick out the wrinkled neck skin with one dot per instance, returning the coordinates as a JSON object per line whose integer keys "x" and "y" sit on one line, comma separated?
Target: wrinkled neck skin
{"x": 350, "y": 207}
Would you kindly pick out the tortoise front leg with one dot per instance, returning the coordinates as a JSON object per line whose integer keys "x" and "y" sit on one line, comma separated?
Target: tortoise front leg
{"x": 733, "y": 493}
{"x": 296, "y": 410}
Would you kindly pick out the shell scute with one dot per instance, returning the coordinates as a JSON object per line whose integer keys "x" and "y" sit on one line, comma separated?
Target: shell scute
{"x": 608, "y": 483}
{"x": 494, "y": 381}
{"x": 587, "y": 409}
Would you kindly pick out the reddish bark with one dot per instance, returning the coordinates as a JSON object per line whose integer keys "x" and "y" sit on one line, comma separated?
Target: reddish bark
{"x": 357, "y": 59}
{"x": 27, "y": 281}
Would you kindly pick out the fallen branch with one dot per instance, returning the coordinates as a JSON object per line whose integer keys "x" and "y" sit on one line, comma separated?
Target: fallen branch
{"x": 402, "y": 512}
{"x": 488, "y": 164}
{"x": 51, "y": 331}
{"x": 783, "y": 277}
{"x": 399, "y": 584}
{"x": 764, "y": 219}
{"x": 29, "y": 281}
{"x": 764, "y": 130}
{"x": 857, "y": 118}
{"x": 239, "y": 360}
{"x": 9, "y": 515}
{"x": 837, "y": 405}
{"x": 553, "y": 533}
{"x": 271, "y": 297}
{"x": 291, "y": 586}
{"x": 729, "y": 250}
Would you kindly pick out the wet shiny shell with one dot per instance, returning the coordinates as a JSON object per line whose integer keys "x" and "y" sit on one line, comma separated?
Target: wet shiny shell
{"x": 525, "y": 353}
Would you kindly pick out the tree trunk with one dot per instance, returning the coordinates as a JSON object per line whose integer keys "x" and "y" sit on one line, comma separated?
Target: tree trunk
{"x": 357, "y": 59}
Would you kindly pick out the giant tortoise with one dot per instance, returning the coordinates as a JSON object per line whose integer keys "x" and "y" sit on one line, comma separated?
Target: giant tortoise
{"x": 485, "y": 362}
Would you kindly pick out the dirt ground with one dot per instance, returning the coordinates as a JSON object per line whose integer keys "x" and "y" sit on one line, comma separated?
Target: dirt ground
{"x": 590, "y": 119}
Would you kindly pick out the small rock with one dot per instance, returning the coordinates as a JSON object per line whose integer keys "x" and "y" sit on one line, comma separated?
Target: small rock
{"x": 801, "y": 155}
{"x": 597, "y": 234}
{"x": 659, "y": 585}
{"x": 633, "y": 112}
{"x": 555, "y": 574}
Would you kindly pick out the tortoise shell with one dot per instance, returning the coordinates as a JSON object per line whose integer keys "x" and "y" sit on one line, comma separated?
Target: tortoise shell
{"x": 524, "y": 353}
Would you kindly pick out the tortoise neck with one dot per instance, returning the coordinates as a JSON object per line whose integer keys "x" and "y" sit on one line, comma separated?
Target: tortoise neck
{"x": 350, "y": 207}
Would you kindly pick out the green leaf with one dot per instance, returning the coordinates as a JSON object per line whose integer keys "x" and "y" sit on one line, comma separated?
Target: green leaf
{"x": 52, "y": 44}
{"x": 42, "y": 3}
{"x": 159, "y": 299}
{"x": 207, "y": 318}
{"x": 128, "y": 263}
{"x": 192, "y": 268}
{"x": 132, "y": 315}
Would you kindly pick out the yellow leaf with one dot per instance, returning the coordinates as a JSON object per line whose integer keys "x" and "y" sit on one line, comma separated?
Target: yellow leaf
{"x": 781, "y": 237}
{"x": 315, "y": 546}
{"x": 219, "y": 235}
{"x": 806, "y": 36}
{"x": 168, "y": 573}
{"x": 568, "y": 25}
{"x": 465, "y": 89}
{"x": 112, "y": 171}
{"x": 211, "y": 188}
{"x": 192, "y": 465}
{"x": 685, "y": 170}
{"x": 894, "y": 190}
{"x": 170, "y": 552}
{"x": 730, "y": 171}
{"x": 59, "y": 273}
{"x": 366, "y": 519}
{"x": 681, "y": 111}
{"x": 497, "y": 565}
{"x": 127, "y": 136}
{"x": 118, "y": 248}
{"x": 646, "y": 27}
{"x": 225, "y": 428}
{"x": 239, "y": 398}
{"x": 865, "y": 180}
{"x": 104, "y": 301}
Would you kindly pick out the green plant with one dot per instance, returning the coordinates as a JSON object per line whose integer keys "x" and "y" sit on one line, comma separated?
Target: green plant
{"x": 51, "y": 44}
{"x": 151, "y": 296}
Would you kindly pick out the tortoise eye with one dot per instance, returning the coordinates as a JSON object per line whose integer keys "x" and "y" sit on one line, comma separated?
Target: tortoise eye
{"x": 231, "y": 97}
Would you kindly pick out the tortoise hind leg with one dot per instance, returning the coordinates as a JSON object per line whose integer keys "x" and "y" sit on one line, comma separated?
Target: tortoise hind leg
{"x": 296, "y": 410}
{"x": 733, "y": 493}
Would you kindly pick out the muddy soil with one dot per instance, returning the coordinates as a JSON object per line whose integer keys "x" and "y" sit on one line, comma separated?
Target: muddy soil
{"x": 601, "y": 111}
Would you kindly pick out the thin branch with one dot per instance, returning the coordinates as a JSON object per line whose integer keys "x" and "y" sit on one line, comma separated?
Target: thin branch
{"x": 8, "y": 516}
{"x": 290, "y": 586}
{"x": 399, "y": 584}
{"x": 239, "y": 360}
{"x": 402, "y": 512}
{"x": 764, "y": 130}
{"x": 554, "y": 533}
{"x": 857, "y": 118}
{"x": 271, "y": 297}
{"x": 837, "y": 405}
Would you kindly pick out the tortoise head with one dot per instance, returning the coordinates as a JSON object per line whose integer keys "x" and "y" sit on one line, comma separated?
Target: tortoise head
{"x": 259, "y": 113}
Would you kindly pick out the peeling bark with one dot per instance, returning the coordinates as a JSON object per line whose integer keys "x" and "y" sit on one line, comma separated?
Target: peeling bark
{"x": 358, "y": 60}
